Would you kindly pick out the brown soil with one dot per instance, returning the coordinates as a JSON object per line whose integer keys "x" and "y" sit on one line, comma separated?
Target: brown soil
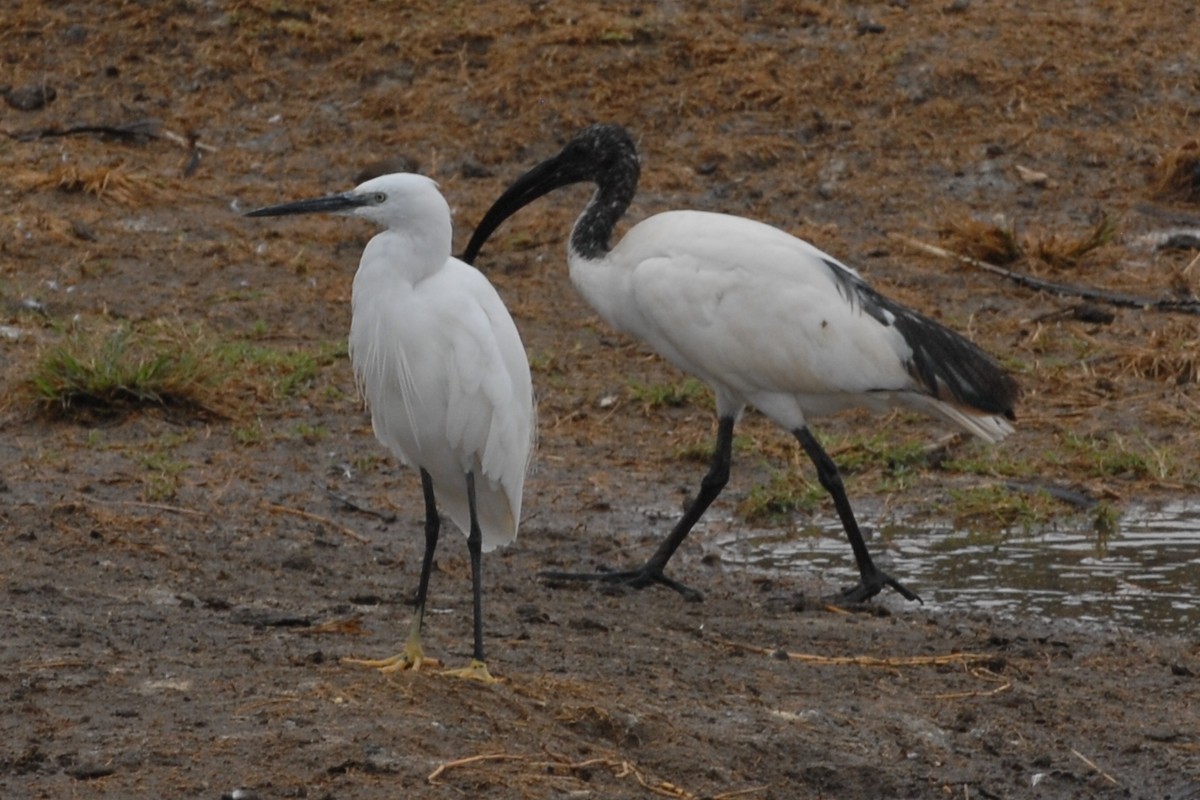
{"x": 180, "y": 586}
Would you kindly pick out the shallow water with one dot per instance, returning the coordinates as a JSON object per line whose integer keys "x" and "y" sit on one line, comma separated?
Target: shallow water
{"x": 1145, "y": 574}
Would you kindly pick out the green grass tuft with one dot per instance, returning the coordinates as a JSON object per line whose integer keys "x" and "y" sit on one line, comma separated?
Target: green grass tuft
{"x": 995, "y": 506}
{"x": 117, "y": 372}
{"x": 784, "y": 495}
{"x": 668, "y": 395}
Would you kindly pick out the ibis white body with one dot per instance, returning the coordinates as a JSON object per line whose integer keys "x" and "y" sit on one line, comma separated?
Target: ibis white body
{"x": 762, "y": 317}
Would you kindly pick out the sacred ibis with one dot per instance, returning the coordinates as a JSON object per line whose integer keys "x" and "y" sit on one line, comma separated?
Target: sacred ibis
{"x": 765, "y": 319}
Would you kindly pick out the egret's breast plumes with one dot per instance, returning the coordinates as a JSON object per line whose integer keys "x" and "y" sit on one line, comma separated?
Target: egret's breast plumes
{"x": 445, "y": 376}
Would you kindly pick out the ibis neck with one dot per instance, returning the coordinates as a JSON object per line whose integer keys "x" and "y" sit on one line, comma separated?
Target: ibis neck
{"x": 591, "y": 238}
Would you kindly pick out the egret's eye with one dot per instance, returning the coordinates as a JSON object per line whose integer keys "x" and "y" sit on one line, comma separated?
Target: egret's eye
{"x": 378, "y": 198}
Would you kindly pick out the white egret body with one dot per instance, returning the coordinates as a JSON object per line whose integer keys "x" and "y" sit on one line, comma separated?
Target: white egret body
{"x": 442, "y": 368}
{"x": 762, "y": 317}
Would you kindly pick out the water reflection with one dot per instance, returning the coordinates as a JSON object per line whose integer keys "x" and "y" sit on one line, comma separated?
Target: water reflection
{"x": 1144, "y": 574}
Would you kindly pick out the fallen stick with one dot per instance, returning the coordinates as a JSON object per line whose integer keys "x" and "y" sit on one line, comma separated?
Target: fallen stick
{"x": 437, "y": 773}
{"x": 1062, "y": 289}
{"x": 1069, "y": 496}
{"x": 353, "y": 506}
{"x": 860, "y": 661}
{"x": 620, "y": 769}
{"x": 1092, "y": 764}
{"x": 316, "y": 518}
{"x": 147, "y": 128}
{"x": 187, "y": 512}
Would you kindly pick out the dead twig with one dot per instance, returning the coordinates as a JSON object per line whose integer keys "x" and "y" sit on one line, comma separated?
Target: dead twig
{"x": 740, "y": 792}
{"x": 964, "y": 695}
{"x": 296, "y": 512}
{"x": 138, "y": 129}
{"x": 1092, "y": 764}
{"x": 620, "y": 768}
{"x": 982, "y": 674}
{"x": 350, "y": 625}
{"x": 460, "y": 762}
{"x": 62, "y": 663}
{"x": 353, "y": 506}
{"x": 186, "y": 512}
{"x": 965, "y": 659}
{"x": 1118, "y": 299}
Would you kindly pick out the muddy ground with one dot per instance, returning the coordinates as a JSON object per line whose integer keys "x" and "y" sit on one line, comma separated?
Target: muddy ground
{"x": 180, "y": 582}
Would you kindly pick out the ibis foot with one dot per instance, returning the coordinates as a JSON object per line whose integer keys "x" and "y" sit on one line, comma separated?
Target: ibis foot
{"x": 634, "y": 579}
{"x": 872, "y": 585}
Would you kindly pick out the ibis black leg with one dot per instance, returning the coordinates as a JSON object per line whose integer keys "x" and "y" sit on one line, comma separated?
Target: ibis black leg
{"x": 873, "y": 579}
{"x": 652, "y": 571}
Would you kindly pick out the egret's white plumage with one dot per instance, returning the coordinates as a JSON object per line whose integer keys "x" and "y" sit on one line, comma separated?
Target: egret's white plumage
{"x": 445, "y": 377}
{"x": 441, "y": 365}
{"x": 762, "y": 317}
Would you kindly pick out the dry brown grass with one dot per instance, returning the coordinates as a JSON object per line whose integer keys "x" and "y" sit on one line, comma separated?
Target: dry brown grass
{"x": 113, "y": 182}
{"x": 999, "y": 243}
{"x": 1177, "y": 176}
{"x": 103, "y": 182}
{"x": 1170, "y": 354}
{"x": 1068, "y": 251}
{"x": 991, "y": 242}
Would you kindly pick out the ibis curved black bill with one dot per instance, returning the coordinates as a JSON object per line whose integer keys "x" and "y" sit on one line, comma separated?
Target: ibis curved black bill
{"x": 604, "y": 154}
{"x": 330, "y": 204}
{"x": 537, "y": 182}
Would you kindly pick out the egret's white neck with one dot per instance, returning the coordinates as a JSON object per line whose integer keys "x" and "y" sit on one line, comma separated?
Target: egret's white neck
{"x": 413, "y": 250}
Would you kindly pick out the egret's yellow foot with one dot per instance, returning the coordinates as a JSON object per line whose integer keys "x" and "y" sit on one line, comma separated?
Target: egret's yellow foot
{"x": 475, "y": 671}
{"x": 413, "y": 658}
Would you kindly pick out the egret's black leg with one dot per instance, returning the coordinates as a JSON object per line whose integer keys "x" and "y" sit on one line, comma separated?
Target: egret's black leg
{"x": 478, "y": 668}
{"x": 433, "y": 524}
{"x": 475, "y": 549}
{"x": 873, "y": 579}
{"x": 652, "y": 571}
{"x": 413, "y": 656}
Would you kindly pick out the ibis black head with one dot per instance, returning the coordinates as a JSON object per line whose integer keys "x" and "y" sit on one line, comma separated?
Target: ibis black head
{"x": 602, "y": 154}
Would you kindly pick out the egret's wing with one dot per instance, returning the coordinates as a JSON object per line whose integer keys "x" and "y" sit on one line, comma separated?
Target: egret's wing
{"x": 489, "y": 403}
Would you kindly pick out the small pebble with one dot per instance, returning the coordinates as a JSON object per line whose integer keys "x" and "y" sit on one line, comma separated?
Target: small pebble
{"x": 241, "y": 794}
{"x": 30, "y": 98}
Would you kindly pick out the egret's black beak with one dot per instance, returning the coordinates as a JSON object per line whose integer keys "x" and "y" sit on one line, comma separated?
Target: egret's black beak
{"x": 552, "y": 174}
{"x": 331, "y": 203}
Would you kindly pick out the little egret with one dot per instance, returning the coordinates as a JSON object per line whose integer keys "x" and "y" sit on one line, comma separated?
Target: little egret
{"x": 764, "y": 319}
{"x": 444, "y": 373}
